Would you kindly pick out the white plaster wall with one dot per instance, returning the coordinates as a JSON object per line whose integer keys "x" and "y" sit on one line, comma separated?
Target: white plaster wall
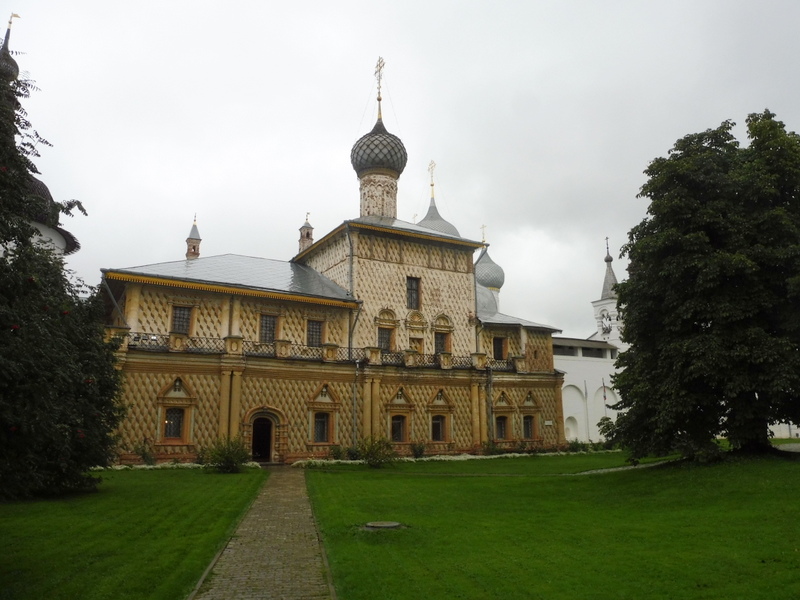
{"x": 586, "y": 376}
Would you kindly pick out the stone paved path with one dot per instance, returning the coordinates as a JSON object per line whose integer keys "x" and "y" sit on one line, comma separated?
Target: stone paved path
{"x": 276, "y": 552}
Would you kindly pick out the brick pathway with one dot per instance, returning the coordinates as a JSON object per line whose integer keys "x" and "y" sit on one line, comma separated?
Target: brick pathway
{"x": 275, "y": 552}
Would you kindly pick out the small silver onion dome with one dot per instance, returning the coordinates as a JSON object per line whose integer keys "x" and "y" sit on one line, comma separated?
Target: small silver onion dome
{"x": 488, "y": 273}
{"x": 433, "y": 220}
{"x": 378, "y": 150}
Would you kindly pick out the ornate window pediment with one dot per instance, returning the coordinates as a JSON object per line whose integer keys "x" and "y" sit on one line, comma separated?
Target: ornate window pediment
{"x": 440, "y": 403}
{"x": 443, "y": 323}
{"x": 416, "y": 321}
{"x": 503, "y": 403}
{"x": 386, "y": 318}
{"x": 324, "y": 399}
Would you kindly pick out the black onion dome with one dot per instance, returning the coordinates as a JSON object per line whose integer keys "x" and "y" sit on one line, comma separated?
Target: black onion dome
{"x": 378, "y": 149}
{"x": 488, "y": 273}
{"x": 9, "y": 69}
{"x": 47, "y": 213}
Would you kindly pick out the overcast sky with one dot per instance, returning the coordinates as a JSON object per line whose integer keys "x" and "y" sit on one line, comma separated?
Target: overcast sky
{"x": 540, "y": 116}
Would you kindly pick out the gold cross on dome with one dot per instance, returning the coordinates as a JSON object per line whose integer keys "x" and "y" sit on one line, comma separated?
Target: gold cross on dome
{"x": 379, "y": 74}
{"x": 483, "y": 233}
{"x": 431, "y": 167}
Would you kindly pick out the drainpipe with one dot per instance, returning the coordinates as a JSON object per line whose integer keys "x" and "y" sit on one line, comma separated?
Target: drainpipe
{"x": 355, "y": 412}
{"x": 490, "y": 424}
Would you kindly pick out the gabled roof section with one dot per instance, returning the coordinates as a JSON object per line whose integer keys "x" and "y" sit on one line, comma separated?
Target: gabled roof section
{"x": 488, "y": 315}
{"x": 245, "y": 275}
{"x": 392, "y": 226}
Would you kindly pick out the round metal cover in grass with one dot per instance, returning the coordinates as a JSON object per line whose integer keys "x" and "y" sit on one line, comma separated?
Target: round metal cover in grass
{"x": 383, "y": 525}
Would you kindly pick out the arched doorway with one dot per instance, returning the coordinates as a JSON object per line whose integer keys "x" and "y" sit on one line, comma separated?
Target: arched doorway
{"x": 262, "y": 439}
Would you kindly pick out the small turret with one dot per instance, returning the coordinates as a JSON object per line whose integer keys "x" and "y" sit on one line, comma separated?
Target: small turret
{"x": 306, "y": 235}
{"x": 193, "y": 242}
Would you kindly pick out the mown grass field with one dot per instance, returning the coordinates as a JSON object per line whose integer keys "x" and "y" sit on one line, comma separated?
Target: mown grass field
{"x": 525, "y": 528}
{"x": 144, "y": 534}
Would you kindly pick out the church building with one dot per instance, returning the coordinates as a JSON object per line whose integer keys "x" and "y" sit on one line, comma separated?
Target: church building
{"x": 379, "y": 328}
{"x": 588, "y": 365}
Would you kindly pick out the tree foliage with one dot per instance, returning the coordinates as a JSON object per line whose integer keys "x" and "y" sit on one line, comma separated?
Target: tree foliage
{"x": 711, "y": 302}
{"x": 58, "y": 383}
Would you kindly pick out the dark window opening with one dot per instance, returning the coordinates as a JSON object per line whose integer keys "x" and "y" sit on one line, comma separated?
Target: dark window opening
{"x": 181, "y": 319}
{"x": 592, "y": 352}
{"x": 527, "y": 427}
{"x": 412, "y": 292}
{"x": 385, "y": 339}
{"x": 321, "y": 428}
{"x": 499, "y": 348}
{"x": 438, "y": 428}
{"x": 269, "y": 324}
{"x": 314, "y": 334}
{"x": 173, "y": 423}
{"x": 398, "y": 428}
{"x": 501, "y": 430}
{"x": 441, "y": 342}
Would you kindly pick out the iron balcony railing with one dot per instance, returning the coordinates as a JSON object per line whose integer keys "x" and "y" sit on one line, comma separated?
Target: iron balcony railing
{"x": 159, "y": 342}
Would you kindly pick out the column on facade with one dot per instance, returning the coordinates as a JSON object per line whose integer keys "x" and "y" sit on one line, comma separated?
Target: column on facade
{"x": 366, "y": 414}
{"x": 560, "y": 412}
{"x": 224, "y": 403}
{"x": 377, "y": 430}
{"x": 236, "y": 402}
{"x": 133, "y": 294}
{"x": 236, "y": 317}
{"x": 475, "y": 412}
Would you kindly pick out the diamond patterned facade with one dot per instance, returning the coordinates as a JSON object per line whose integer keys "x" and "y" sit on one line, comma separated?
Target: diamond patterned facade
{"x": 446, "y": 352}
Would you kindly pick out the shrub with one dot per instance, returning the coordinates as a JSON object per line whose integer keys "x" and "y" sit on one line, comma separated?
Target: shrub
{"x": 577, "y": 446}
{"x": 418, "y": 449}
{"x": 490, "y": 448}
{"x": 228, "y": 454}
{"x": 144, "y": 450}
{"x": 335, "y": 452}
{"x": 353, "y": 453}
{"x": 376, "y": 452}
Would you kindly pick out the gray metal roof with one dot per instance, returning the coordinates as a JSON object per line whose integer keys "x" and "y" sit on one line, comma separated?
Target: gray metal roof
{"x": 581, "y": 343}
{"x": 245, "y": 272}
{"x": 390, "y": 223}
{"x": 488, "y": 315}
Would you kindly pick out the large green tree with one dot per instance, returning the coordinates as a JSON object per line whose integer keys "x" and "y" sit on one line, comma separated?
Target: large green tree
{"x": 710, "y": 305}
{"x": 58, "y": 383}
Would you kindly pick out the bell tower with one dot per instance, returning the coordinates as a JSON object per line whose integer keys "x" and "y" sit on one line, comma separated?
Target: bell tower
{"x": 193, "y": 242}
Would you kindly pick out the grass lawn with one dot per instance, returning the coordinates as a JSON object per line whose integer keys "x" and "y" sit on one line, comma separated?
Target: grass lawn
{"x": 514, "y": 528}
{"x": 144, "y": 534}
